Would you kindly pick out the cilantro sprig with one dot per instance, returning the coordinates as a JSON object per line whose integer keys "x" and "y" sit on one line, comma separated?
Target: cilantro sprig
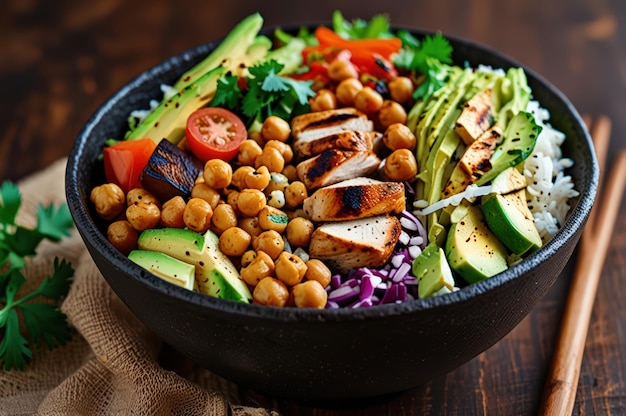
{"x": 264, "y": 93}
{"x": 41, "y": 322}
{"x": 431, "y": 57}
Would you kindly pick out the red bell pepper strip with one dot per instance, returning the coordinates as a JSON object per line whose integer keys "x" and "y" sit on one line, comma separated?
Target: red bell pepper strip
{"x": 384, "y": 47}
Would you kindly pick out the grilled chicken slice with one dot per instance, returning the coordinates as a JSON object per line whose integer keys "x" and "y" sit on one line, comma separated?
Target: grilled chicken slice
{"x": 333, "y": 165}
{"x": 355, "y": 198}
{"x": 311, "y": 126}
{"x": 345, "y": 245}
{"x": 475, "y": 118}
{"x": 343, "y": 140}
{"x": 474, "y": 162}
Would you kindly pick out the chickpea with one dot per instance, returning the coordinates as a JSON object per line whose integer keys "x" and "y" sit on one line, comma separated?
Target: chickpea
{"x": 272, "y": 158}
{"x": 248, "y": 152}
{"x": 290, "y": 269}
{"x": 143, "y": 215}
{"x": 234, "y": 241}
{"x": 197, "y": 215}
{"x": 122, "y": 236}
{"x": 290, "y": 172}
{"x": 399, "y": 136}
{"x": 270, "y": 242}
{"x": 340, "y": 69}
{"x": 276, "y": 199}
{"x": 239, "y": 176}
{"x": 278, "y": 182}
{"x": 275, "y": 128}
{"x": 318, "y": 271}
{"x": 137, "y": 195}
{"x": 256, "y": 136}
{"x": 217, "y": 173}
{"x": 324, "y": 100}
{"x": 224, "y": 217}
{"x": 260, "y": 267}
{"x": 172, "y": 212}
{"x": 299, "y": 232}
{"x": 400, "y": 165}
{"x": 232, "y": 197}
{"x": 391, "y": 112}
{"x": 203, "y": 191}
{"x": 258, "y": 179}
{"x": 250, "y": 202}
{"x": 271, "y": 292}
{"x": 109, "y": 200}
{"x": 248, "y": 257}
{"x": 285, "y": 150}
{"x": 401, "y": 89}
{"x": 271, "y": 218}
{"x": 295, "y": 194}
{"x": 251, "y": 226}
{"x": 368, "y": 100}
{"x": 310, "y": 294}
{"x": 347, "y": 90}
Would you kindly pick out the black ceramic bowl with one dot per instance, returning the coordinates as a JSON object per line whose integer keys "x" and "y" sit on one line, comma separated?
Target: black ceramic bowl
{"x": 328, "y": 354}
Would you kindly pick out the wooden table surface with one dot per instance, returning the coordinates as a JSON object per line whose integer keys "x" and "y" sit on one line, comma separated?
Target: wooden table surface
{"x": 60, "y": 60}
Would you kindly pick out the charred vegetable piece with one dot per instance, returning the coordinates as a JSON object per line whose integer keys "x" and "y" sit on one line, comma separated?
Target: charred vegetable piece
{"x": 170, "y": 172}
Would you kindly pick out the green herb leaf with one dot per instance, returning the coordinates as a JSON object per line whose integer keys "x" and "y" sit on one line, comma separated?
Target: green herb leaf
{"x": 14, "y": 352}
{"x": 43, "y": 321}
{"x": 46, "y": 323}
{"x": 377, "y": 27}
{"x": 54, "y": 224}
{"x": 267, "y": 93}
{"x": 10, "y": 201}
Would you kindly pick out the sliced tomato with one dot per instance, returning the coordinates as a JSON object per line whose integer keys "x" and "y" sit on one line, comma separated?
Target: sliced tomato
{"x": 215, "y": 133}
{"x": 124, "y": 161}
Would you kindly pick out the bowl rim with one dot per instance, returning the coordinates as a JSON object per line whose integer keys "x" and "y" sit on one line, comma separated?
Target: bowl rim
{"x": 91, "y": 234}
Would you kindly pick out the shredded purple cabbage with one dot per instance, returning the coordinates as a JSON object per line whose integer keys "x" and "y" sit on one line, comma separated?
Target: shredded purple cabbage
{"x": 394, "y": 283}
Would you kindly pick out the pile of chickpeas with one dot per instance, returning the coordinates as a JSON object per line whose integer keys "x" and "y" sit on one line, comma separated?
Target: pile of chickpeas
{"x": 255, "y": 204}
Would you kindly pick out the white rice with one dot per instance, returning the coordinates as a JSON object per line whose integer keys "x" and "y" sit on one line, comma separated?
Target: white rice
{"x": 549, "y": 189}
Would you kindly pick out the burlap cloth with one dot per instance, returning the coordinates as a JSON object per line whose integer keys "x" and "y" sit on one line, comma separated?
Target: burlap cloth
{"x": 110, "y": 366}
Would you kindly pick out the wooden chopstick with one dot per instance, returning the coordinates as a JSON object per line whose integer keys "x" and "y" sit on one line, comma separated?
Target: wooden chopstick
{"x": 561, "y": 385}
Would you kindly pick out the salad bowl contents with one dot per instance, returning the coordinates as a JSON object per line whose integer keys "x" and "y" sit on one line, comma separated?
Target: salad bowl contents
{"x": 289, "y": 197}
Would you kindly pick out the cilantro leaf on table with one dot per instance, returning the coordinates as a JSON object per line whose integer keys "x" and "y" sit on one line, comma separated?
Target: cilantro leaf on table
{"x": 265, "y": 93}
{"x": 43, "y": 322}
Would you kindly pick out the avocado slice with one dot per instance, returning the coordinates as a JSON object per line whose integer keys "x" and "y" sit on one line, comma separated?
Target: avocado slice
{"x": 215, "y": 274}
{"x": 166, "y": 267}
{"x": 518, "y": 142}
{"x": 231, "y": 51}
{"x": 511, "y": 221}
{"x": 432, "y": 271}
{"x": 169, "y": 119}
{"x": 240, "y": 49}
{"x": 473, "y": 251}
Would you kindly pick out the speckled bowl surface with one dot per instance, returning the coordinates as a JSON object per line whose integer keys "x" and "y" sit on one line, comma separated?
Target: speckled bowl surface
{"x": 328, "y": 354}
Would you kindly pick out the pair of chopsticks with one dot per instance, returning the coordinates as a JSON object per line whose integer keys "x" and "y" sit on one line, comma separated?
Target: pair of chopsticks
{"x": 561, "y": 385}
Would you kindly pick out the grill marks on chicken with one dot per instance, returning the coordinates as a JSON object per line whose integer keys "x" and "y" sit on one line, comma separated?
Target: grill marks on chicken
{"x": 355, "y": 140}
{"x": 334, "y": 165}
{"x": 355, "y": 198}
{"x": 365, "y": 242}
{"x": 337, "y": 153}
{"x": 341, "y": 145}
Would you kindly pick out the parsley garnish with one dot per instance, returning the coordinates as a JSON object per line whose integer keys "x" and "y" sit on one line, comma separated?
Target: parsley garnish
{"x": 429, "y": 57}
{"x": 266, "y": 93}
{"x": 43, "y": 321}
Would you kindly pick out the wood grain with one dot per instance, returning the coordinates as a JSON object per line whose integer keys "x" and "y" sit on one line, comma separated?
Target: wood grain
{"x": 60, "y": 60}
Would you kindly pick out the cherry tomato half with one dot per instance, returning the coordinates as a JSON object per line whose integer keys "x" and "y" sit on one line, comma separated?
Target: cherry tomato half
{"x": 124, "y": 161}
{"x": 215, "y": 133}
